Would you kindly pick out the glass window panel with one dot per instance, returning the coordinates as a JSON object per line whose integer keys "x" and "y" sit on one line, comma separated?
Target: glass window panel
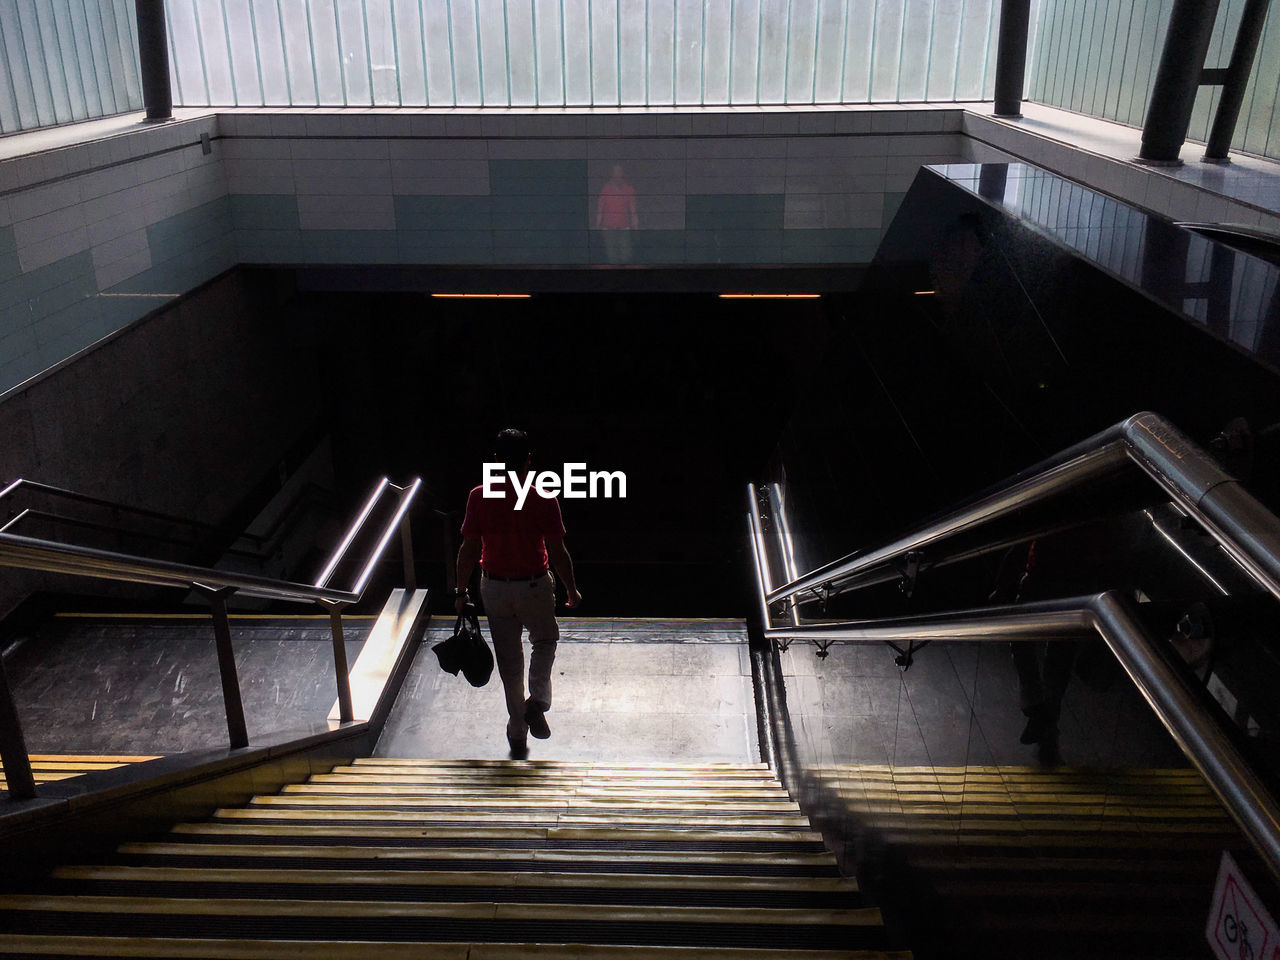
{"x": 855, "y": 69}
{"x": 353, "y": 48}
{"x": 633, "y": 44}
{"x": 466, "y": 53}
{"x": 604, "y": 52}
{"x": 829, "y": 51}
{"x": 188, "y": 68}
{"x": 940, "y": 75}
{"x": 689, "y": 51}
{"x": 490, "y": 15}
{"x": 410, "y": 62}
{"x": 577, "y": 52}
{"x": 915, "y": 49}
{"x": 269, "y": 49}
{"x": 380, "y": 41}
{"x": 715, "y": 55}
{"x": 661, "y": 51}
{"x": 326, "y": 62}
{"x": 548, "y": 40}
{"x": 437, "y": 19}
{"x": 772, "y": 52}
{"x": 51, "y": 57}
{"x": 1258, "y": 112}
{"x": 745, "y": 43}
{"x": 121, "y": 54}
{"x": 520, "y": 52}
{"x": 802, "y": 31}
{"x": 1109, "y": 103}
{"x": 10, "y": 108}
{"x": 885, "y": 54}
{"x": 92, "y": 83}
{"x": 294, "y": 20}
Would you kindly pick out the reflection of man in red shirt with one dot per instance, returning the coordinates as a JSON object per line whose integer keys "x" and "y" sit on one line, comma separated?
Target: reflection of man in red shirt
{"x": 513, "y": 548}
{"x": 616, "y": 216}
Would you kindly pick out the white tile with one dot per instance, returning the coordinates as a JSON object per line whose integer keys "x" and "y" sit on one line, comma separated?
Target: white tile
{"x": 1183, "y": 200}
{"x": 260, "y": 185}
{"x": 102, "y": 182}
{"x": 392, "y": 125}
{"x": 440, "y": 169}
{"x": 1211, "y": 208}
{"x": 853, "y": 121}
{"x": 108, "y": 229}
{"x": 342, "y": 186}
{"x": 745, "y": 124}
{"x": 497, "y": 126}
{"x": 837, "y": 166}
{"x": 359, "y": 125}
{"x": 440, "y": 186}
{"x": 886, "y": 121}
{"x": 244, "y": 168}
{"x": 5, "y": 217}
{"x": 737, "y": 147}
{"x": 462, "y": 125}
{"x": 708, "y": 124}
{"x": 660, "y": 149}
{"x": 109, "y": 274}
{"x": 732, "y": 185}
{"x": 125, "y": 245}
{"x": 252, "y": 148}
{"x": 537, "y": 149}
{"x": 253, "y": 125}
{"x": 1241, "y": 213}
{"x": 816, "y": 123}
{"x": 36, "y": 201}
{"x": 346, "y": 213}
{"x": 323, "y": 125}
{"x": 36, "y": 255}
{"x": 728, "y": 168}
{"x": 784, "y": 124}
{"x": 438, "y": 150}
{"x": 37, "y": 229}
{"x": 288, "y": 125}
{"x": 324, "y": 149}
{"x": 1159, "y": 189}
{"x": 425, "y": 125}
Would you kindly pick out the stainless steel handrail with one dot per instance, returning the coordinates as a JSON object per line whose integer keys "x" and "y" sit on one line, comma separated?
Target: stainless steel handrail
{"x": 65, "y": 494}
{"x": 1238, "y": 522}
{"x": 1242, "y": 526}
{"x": 52, "y": 557}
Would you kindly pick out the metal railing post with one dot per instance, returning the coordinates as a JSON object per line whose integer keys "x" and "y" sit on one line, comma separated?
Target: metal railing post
{"x": 13, "y": 746}
{"x": 236, "y": 730}
{"x": 406, "y": 554}
{"x": 340, "y": 668}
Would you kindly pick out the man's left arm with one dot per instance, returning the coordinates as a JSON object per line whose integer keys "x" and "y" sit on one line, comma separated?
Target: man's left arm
{"x": 558, "y": 554}
{"x": 468, "y": 557}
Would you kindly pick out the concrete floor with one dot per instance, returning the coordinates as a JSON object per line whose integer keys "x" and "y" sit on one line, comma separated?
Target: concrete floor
{"x": 623, "y": 689}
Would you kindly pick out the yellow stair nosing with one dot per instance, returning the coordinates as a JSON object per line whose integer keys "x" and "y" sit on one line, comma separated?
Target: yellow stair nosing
{"x": 608, "y": 913}
{"x": 509, "y": 833}
{"x": 192, "y": 949}
{"x": 172, "y": 848}
{"x": 469, "y": 878}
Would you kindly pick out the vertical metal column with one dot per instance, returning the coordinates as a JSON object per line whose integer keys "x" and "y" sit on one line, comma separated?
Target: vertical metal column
{"x": 236, "y": 730}
{"x": 406, "y": 554}
{"x": 153, "y": 59}
{"x": 340, "y": 668}
{"x": 1177, "y": 79}
{"x": 13, "y": 746}
{"x": 1237, "y": 78}
{"x": 1011, "y": 57}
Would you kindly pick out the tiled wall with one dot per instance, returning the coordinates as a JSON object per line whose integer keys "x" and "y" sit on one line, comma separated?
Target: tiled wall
{"x": 731, "y": 188}
{"x": 96, "y": 235}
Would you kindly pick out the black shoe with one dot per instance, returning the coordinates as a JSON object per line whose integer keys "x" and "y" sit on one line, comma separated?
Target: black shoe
{"x": 1047, "y": 752}
{"x": 535, "y": 716}
{"x": 1038, "y": 724}
{"x": 519, "y": 748}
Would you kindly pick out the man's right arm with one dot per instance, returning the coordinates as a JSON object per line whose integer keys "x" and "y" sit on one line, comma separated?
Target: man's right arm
{"x": 468, "y": 556}
{"x": 558, "y": 554}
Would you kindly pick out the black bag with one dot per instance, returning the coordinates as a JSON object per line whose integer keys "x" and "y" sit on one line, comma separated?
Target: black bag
{"x": 466, "y": 650}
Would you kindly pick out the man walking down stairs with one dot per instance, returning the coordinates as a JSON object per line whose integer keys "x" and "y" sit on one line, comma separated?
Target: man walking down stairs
{"x": 473, "y": 860}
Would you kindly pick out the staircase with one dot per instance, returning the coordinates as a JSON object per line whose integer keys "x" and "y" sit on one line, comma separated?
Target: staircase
{"x": 474, "y": 860}
{"x": 1050, "y": 862}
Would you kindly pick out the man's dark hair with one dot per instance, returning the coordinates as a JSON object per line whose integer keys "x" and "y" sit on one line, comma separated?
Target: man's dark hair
{"x": 511, "y": 447}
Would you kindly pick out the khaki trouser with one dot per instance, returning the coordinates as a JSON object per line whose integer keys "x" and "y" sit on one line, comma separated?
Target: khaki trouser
{"x": 512, "y": 607}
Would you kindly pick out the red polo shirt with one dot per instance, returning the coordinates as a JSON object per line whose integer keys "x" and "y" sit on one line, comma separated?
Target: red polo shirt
{"x": 512, "y": 542}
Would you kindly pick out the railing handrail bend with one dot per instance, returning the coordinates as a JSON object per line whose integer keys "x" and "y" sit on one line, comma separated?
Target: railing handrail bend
{"x": 1241, "y": 525}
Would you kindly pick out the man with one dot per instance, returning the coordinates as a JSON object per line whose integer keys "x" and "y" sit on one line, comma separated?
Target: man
{"x": 513, "y": 548}
{"x": 616, "y": 216}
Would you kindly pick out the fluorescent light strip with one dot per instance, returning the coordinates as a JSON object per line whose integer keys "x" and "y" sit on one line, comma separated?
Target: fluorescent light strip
{"x": 770, "y": 296}
{"x": 482, "y": 296}
{"x": 926, "y": 293}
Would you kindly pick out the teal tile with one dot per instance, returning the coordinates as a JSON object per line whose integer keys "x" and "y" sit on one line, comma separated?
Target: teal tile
{"x": 446, "y": 213}
{"x": 9, "y": 265}
{"x": 541, "y": 246}
{"x": 892, "y": 201}
{"x": 540, "y": 213}
{"x": 349, "y": 246}
{"x": 12, "y": 292}
{"x": 268, "y": 246}
{"x": 66, "y": 329}
{"x": 528, "y": 177}
{"x": 264, "y": 211}
{"x": 16, "y": 342}
{"x": 189, "y": 229}
{"x": 734, "y": 246}
{"x": 733, "y": 212}
{"x": 16, "y": 316}
{"x": 17, "y": 368}
{"x": 76, "y": 269}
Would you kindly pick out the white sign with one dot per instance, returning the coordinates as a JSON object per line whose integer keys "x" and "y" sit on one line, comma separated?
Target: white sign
{"x": 1240, "y": 928}
{"x": 576, "y": 483}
